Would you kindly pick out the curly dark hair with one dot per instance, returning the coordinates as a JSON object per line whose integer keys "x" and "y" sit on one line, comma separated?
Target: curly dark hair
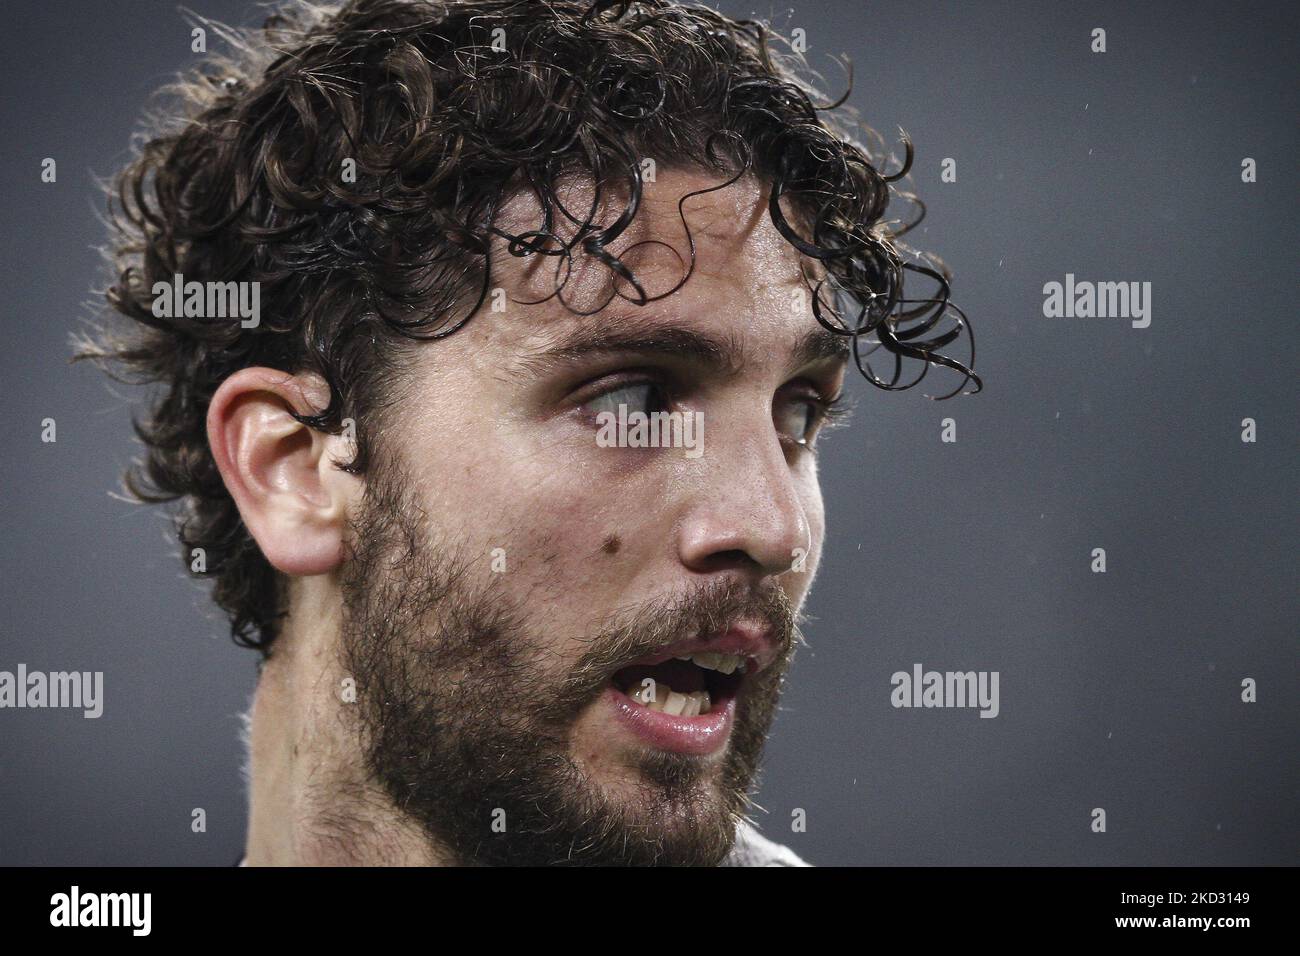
{"x": 448, "y": 108}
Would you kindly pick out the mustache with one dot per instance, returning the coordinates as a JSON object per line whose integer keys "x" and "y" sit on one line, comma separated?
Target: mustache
{"x": 707, "y": 608}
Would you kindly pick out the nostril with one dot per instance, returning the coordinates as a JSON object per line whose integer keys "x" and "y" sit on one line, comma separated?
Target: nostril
{"x": 729, "y": 560}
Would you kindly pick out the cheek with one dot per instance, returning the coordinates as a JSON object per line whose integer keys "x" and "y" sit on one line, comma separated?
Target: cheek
{"x": 546, "y": 521}
{"x": 516, "y": 501}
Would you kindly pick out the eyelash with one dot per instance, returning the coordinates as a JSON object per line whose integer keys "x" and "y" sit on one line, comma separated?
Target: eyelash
{"x": 827, "y": 412}
{"x": 831, "y": 411}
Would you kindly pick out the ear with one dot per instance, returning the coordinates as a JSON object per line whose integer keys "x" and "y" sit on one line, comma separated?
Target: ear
{"x": 281, "y": 473}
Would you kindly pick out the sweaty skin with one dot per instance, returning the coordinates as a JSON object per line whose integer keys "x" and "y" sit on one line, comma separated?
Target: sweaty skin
{"x": 493, "y": 431}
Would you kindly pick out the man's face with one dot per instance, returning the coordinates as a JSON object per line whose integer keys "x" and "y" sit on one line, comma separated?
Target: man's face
{"x": 520, "y": 593}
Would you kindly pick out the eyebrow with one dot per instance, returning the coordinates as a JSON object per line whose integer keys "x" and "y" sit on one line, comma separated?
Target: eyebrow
{"x": 721, "y": 354}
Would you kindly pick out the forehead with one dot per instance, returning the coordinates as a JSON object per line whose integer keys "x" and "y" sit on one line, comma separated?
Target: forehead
{"x": 746, "y": 278}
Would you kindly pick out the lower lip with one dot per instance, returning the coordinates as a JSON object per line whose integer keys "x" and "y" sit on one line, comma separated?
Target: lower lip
{"x": 702, "y": 735}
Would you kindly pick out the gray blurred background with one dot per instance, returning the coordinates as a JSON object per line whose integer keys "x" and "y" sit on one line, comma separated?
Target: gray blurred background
{"x": 1118, "y": 690}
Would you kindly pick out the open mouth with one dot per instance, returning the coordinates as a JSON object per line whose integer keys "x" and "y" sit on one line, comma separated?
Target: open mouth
{"x": 682, "y": 704}
{"x": 689, "y": 686}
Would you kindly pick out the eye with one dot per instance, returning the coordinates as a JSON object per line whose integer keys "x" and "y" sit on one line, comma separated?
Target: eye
{"x": 797, "y": 420}
{"x": 646, "y": 397}
{"x": 800, "y": 417}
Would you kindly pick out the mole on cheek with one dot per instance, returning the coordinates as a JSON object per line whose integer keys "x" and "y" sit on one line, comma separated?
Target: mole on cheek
{"x": 611, "y": 545}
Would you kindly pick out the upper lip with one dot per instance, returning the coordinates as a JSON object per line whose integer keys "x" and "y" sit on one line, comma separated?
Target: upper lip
{"x": 753, "y": 642}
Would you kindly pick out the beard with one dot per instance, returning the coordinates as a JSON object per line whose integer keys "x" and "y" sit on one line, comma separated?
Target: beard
{"x": 464, "y": 714}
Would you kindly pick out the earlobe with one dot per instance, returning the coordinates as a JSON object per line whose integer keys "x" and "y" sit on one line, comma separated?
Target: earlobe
{"x": 282, "y": 474}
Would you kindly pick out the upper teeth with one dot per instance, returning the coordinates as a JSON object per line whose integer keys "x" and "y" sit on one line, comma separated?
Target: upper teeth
{"x": 724, "y": 663}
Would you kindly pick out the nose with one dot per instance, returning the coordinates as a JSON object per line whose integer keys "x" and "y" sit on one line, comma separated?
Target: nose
{"x": 747, "y": 513}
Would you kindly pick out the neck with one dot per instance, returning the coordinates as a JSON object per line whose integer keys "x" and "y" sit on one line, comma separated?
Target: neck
{"x": 311, "y": 802}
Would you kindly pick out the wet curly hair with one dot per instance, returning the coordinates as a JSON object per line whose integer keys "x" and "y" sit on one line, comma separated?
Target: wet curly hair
{"x": 448, "y": 108}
